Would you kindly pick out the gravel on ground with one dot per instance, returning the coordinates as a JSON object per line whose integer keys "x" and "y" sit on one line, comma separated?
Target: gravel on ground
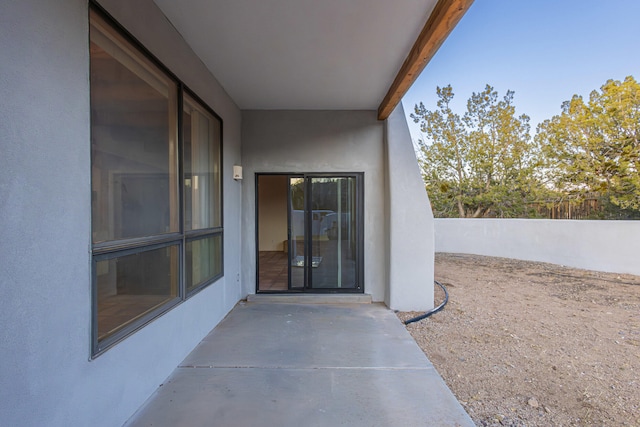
{"x": 533, "y": 344}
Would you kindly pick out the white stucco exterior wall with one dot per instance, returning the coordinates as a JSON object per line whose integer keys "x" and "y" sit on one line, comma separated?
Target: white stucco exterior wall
{"x": 317, "y": 141}
{"x": 46, "y": 377}
{"x": 410, "y": 221}
{"x": 611, "y": 246}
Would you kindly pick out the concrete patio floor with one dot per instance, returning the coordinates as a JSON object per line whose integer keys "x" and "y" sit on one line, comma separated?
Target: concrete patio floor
{"x": 275, "y": 364}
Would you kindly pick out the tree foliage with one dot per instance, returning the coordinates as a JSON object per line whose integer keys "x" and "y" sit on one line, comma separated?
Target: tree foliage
{"x": 482, "y": 164}
{"x": 594, "y": 146}
{"x": 485, "y": 163}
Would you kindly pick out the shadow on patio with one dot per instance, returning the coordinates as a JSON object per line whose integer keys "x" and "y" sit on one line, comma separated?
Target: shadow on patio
{"x": 276, "y": 364}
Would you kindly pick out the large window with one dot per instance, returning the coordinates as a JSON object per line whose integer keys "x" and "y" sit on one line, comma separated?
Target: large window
{"x": 156, "y": 187}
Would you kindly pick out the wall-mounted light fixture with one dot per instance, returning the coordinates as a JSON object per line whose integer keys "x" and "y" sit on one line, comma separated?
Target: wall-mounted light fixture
{"x": 237, "y": 172}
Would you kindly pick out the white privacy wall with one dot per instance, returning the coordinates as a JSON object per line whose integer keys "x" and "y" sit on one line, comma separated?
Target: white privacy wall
{"x": 612, "y": 246}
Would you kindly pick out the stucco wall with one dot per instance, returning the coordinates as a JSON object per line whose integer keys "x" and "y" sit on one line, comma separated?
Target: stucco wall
{"x": 595, "y": 245}
{"x": 46, "y": 377}
{"x": 317, "y": 141}
{"x": 410, "y": 221}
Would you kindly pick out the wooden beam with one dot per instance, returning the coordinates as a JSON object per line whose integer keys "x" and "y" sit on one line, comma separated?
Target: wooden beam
{"x": 445, "y": 16}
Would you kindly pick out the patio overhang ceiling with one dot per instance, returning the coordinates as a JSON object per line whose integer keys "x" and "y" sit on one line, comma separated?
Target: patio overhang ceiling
{"x": 315, "y": 54}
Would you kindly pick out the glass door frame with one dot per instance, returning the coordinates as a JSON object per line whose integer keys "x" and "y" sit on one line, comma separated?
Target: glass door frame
{"x": 308, "y": 241}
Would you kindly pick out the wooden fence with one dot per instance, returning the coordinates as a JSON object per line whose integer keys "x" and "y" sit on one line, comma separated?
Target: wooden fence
{"x": 588, "y": 208}
{"x": 593, "y": 206}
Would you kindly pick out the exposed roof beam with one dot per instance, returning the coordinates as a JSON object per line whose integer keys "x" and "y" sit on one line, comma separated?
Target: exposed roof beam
{"x": 445, "y": 16}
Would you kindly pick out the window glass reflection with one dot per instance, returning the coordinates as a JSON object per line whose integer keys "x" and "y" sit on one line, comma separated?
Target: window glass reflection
{"x": 133, "y": 141}
{"x": 201, "y": 136}
{"x": 130, "y": 286}
{"x": 203, "y": 260}
{"x": 334, "y": 237}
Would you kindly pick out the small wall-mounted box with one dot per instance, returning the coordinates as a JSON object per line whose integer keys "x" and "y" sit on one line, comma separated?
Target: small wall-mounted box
{"x": 237, "y": 172}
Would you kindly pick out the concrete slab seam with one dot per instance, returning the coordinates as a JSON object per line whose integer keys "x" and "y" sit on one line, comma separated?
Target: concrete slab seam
{"x": 344, "y": 368}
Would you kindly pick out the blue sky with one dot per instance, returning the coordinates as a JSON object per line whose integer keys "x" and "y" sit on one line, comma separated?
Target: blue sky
{"x": 544, "y": 50}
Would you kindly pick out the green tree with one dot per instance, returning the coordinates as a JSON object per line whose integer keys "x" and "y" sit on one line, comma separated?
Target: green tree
{"x": 594, "y": 146}
{"x": 483, "y": 164}
{"x": 444, "y": 159}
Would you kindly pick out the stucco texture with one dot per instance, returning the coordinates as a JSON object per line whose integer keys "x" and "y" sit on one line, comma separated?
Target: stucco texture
{"x": 46, "y": 375}
{"x": 611, "y": 246}
{"x": 317, "y": 141}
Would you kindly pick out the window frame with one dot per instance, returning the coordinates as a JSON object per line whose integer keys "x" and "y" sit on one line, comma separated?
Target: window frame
{"x": 111, "y": 249}
{"x": 190, "y": 235}
{"x": 360, "y": 226}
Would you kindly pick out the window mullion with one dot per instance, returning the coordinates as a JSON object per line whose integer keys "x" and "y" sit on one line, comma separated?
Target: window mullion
{"x": 181, "y": 198}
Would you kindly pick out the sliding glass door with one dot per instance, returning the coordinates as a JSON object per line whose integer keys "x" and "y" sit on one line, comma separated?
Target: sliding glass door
{"x": 323, "y": 247}
{"x": 332, "y": 242}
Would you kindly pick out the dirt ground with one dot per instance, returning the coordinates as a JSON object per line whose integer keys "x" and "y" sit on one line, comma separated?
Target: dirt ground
{"x": 531, "y": 344}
